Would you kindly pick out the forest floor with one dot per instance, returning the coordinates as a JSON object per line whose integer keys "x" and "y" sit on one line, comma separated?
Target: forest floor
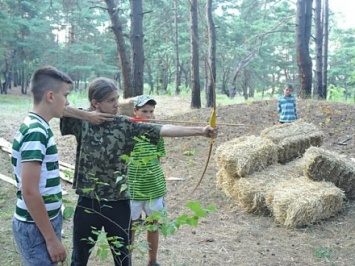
{"x": 229, "y": 236}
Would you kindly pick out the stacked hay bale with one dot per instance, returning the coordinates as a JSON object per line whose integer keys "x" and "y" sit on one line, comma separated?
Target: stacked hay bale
{"x": 126, "y": 107}
{"x": 244, "y": 155}
{"x": 250, "y": 192}
{"x": 321, "y": 164}
{"x": 301, "y": 201}
{"x": 292, "y": 139}
{"x": 250, "y": 174}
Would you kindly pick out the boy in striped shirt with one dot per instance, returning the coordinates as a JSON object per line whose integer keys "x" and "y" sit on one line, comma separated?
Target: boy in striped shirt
{"x": 286, "y": 106}
{"x": 37, "y": 221}
{"x": 146, "y": 180}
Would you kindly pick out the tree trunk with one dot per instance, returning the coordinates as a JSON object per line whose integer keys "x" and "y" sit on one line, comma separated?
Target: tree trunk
{"x": 303, "y": 33}
{"x": 194, "y": 46}
{"x": 211, "y": 62}
{"x": 325, "y": 19}
{"x": 176, "y": 45}
{"x": 112, "y": 10}
{"x": 137, "y": 46}
{"x": 150, "y": 78}
{"x": 318, "y": 90}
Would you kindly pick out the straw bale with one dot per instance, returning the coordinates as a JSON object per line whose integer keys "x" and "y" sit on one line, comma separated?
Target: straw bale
{"x": 225, "y": 182}
{"x": 249, "y": 193}
{"x": 126, "y": 107}
{"x": 321, "y": 164}
{"x": 293, "y": 139}
{"x": 245, "y": 155}
{"x": 300, "y": 201}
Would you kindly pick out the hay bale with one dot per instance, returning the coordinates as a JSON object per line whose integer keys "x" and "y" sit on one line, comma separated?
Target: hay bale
{"x": 126, "y": 107}
{"x": 301, "y": 201}
{"x": 250, "y": 192}
{"x": 225, "y": 182}
{"x": 293, "y": 139}
{"x": 321, "y": 164}
{"x": 245, "y": 155}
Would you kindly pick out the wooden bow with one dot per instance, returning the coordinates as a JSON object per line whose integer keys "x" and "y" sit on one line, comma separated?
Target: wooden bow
{"x": 212, "y": 123}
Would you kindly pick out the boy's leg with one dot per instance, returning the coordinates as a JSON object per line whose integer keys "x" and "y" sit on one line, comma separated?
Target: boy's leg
{"x": 136, "y": 215}
{"x": 117, "y": 224}
{"x": 84, "y": 222}
{"x": 31, "y": 243}
{"x": 153, "y": 241}
{"x": 153, "y": 236}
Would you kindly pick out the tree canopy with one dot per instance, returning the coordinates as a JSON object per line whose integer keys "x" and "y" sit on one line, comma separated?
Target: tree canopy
{"x": 255, "y": 44}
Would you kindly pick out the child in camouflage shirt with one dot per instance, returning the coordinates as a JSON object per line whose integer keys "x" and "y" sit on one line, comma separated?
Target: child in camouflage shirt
{"x": 100, "y": 177}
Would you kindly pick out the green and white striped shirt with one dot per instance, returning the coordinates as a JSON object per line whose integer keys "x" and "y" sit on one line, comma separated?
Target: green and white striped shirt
{"x": 35, "y": 142}
{"x": 145, "y": 174}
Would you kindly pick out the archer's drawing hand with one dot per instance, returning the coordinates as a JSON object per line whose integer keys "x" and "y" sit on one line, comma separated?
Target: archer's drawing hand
{"x": 98, "y": 118}
{"x": 210, "y": 132}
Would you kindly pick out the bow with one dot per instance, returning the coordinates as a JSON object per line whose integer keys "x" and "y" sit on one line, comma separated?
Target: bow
{"x": 212, "y": 123}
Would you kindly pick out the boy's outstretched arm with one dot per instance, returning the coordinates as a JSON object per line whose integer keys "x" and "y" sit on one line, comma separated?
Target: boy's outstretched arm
{"x": 181, "y": 131}
{"x": 93, "y": 117}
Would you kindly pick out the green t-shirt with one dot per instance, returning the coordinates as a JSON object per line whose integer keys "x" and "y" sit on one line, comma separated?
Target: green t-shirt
{"x": 145, "y": 174}
{"x": 34, "y": 142}
{"x": 100, "y": 172}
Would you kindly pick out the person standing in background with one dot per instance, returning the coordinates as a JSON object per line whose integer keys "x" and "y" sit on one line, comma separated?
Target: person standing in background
{"x": 286, "y": 106}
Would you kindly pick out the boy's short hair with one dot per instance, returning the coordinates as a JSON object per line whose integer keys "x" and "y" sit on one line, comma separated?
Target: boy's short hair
{"x": 142, "y": 100}
{"x": 47, "y": 78}
{"x": 288, "y": 86}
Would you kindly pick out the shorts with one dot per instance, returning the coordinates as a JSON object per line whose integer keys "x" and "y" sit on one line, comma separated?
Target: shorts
{"x": 148, "y": 206}
{"x": 31, "y": 243}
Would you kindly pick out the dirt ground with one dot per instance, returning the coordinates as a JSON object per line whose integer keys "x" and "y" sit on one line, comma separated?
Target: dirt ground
{"x": 230, "y": 236}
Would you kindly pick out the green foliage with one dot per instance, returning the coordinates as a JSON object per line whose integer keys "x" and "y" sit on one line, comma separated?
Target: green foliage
{"x": 160, "y": 220}
{"x": 102, "y": 246}
{"x": 323, "y": 253}
{"x": 68, "y": 213}
{"x": 189, "y": 153}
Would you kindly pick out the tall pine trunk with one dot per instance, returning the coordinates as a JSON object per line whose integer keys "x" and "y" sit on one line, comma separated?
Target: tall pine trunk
{"x": 303, "y": 34}
{"x": 325, "y": 19}
{"x": 194, "y": 46}
{"x": 211, "y": 71}
{"x": 137, "y": 46}
{"x": 112, "y": 10}
{"x": 318, "y": 90}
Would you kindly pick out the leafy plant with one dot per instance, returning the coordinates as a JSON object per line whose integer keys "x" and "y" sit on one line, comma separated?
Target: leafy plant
{"x": 323, "y": 253}
{"x": 189, "y": 153}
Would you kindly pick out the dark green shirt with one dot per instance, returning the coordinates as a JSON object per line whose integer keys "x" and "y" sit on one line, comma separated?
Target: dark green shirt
{"x": 100, "y": 172}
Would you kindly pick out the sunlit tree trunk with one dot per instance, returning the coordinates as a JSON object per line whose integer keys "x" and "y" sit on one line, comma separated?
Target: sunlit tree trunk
{"x": 194, "y": 46}
{"x": 137, "y": 51}
{"x": 303, "y": 34}
{"x": 211, "y": 72}
{"x": 112, "y": 9}
{"x": 177, "y": 57}
{"x": 325, "y": 18}
{"x": 318, "y": 89}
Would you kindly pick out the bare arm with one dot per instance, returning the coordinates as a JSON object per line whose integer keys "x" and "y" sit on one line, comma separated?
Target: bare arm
{"x": 181, "y": 131}
{"x": 30, "y": 191}
{"x": 93, "y": 117}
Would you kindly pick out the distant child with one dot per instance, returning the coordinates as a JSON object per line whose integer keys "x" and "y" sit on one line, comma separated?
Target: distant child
{"x": 37, "y": 221}
{"x": 286, "y": 105}
{"x": 145, "y": 175}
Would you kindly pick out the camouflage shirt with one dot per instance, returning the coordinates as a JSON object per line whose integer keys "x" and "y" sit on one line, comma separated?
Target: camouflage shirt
{"x": 100, "y": 171}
